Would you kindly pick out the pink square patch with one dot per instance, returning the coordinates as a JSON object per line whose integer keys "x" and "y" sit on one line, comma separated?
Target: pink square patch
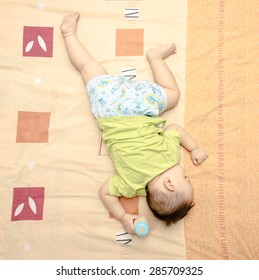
{"x": 28, "y": 203}
{"x": 38, "y": 41}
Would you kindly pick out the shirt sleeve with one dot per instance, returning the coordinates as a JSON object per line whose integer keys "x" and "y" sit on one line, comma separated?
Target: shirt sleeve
{"x": 172, "y": 139}
{"x": 173, "y": 135}
{"x": 118, "y": 187}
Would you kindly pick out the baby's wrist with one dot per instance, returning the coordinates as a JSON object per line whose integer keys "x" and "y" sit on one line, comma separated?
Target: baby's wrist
{"x": 122, "y": 216}
{"x": 195, "y": 148}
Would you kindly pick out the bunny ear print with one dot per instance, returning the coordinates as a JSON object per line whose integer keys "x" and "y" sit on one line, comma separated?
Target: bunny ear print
{"x": 29, "y": 46}
{"x": 42, "y": 43}
{"x": 38, "y": 41}
{"x": 19, "y": 209}
{"x": 28, "y": 203}
{"x": 32, "y": 205}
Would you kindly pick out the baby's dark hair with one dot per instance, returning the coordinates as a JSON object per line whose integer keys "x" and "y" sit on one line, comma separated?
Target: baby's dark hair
{"x": 168, "y": 208}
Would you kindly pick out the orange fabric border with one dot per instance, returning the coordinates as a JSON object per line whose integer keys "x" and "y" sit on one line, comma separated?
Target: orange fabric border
{"x": 221, "y": 112}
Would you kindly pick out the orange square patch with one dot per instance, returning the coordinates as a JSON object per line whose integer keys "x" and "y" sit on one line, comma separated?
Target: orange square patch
{"x": 33, "y": 127}
{"x": 130, "y": 205}
{"x": 129, "y": 42}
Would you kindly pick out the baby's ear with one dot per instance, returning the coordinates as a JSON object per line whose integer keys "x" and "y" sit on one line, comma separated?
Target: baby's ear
{"x": 169, "y": 184}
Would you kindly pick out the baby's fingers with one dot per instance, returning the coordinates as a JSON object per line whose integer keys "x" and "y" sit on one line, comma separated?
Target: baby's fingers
{"x": 195, "y": 162}
{"x": 198, "y": 161}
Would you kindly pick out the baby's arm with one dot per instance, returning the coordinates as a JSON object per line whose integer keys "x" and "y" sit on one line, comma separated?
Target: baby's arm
{"x": 113, "y": 205}
{"x": 198, "y": 155}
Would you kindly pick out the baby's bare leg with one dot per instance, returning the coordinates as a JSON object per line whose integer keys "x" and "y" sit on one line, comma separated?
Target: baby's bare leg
{"x": 162, "y": 74}
{"x": 79, "y": 56}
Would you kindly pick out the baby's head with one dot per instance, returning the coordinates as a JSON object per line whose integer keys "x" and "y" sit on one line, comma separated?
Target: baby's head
{"x": 170, "y": 195}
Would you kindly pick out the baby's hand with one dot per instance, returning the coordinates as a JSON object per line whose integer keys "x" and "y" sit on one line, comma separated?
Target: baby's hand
{"x": 127, "y": 223}
{"x": 198, "y": 156}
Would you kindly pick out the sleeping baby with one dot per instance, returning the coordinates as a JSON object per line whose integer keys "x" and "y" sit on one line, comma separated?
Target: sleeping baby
{"x": 145, "y": 153}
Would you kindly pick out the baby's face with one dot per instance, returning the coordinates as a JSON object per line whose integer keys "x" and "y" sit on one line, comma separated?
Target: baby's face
{"x": 173, "y": 180}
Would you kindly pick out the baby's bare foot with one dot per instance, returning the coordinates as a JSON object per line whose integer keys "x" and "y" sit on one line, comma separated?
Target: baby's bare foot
{"x": 161, "y": 52}
{"x": 69, "y": 24}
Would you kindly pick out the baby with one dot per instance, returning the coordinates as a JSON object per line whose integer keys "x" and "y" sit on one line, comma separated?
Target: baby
{"x": 145, "y": 155}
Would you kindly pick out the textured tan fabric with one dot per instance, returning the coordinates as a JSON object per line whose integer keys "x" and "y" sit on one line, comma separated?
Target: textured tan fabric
{"x": 222, "y": 111}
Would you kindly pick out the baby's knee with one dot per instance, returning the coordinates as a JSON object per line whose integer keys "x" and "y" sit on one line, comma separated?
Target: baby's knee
{"x": 173, "y": 96}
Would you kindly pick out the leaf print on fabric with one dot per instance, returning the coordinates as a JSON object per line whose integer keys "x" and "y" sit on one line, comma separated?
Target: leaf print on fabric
{"x": 38, "y": 41}
{"x": 32, "y": 205}
{"x": 29, "y": 46}
{"x": 42, "y": 43}
{"x": 28, "y": 203}
{"x": 19, "y": 209}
